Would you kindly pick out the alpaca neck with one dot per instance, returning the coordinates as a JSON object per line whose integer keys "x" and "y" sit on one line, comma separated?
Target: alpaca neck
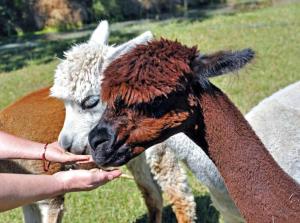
{"x": 260, "y": 188}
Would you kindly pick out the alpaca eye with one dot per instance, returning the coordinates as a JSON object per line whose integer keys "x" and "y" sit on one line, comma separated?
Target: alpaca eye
{"x": 118, "y": 104}
{"x": 156, "y": 104}
{"x": 90, "y": 102}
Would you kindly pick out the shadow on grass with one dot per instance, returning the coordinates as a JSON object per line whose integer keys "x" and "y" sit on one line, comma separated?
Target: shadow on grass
{"x": 40, "y": 50}
{"x": 206, "y": 213}
{"x": 19, "y": 51}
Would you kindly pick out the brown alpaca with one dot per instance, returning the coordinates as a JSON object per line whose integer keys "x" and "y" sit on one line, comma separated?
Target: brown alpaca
{"x": 162, "y": 88}
{"x": 26, "y": 118}
{"x": 40, "y": 118}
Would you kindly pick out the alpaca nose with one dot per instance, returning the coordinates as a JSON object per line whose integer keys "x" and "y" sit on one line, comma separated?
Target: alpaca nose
{"x": 99, "y": 135}
{"x": 66, "y": 143}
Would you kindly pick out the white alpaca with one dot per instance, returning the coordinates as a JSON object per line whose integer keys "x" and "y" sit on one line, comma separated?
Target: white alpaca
{"x": 276, "y": 121}
{"x": 77, "y": 83}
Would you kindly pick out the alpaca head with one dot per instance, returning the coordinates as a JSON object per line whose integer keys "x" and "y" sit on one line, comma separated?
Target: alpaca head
{"x": 152, "y": 93}
{"x": 77, "y": 82}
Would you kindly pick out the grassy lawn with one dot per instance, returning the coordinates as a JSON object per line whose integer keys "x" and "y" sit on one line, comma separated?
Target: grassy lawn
{"x": 274, "y": 33}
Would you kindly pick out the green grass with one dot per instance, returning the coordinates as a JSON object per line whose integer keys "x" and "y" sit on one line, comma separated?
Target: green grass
{"x": 274, "y": 33}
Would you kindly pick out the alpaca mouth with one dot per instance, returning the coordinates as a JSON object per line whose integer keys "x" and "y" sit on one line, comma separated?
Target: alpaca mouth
{"x": 113, "y": 159}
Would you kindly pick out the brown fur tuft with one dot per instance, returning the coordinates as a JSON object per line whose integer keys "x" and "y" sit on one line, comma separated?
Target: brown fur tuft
{"x": 148, "y": 71}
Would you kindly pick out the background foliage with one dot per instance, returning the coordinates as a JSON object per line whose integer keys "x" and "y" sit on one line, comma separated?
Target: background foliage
{"x": 19, "y": 16}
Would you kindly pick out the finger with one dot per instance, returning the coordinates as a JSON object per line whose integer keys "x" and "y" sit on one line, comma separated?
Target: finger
{"x": 89, "y": 160}
{"x": 103, "y": 176}
{"x": 78, "y": 158}
{"x": 84, "y": 162}
{"x": 114, "y": 174}
{"x": 100, "y": 177}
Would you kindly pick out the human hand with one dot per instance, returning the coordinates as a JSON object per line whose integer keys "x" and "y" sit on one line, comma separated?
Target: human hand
{"x": 84, "y": 180}
{"x": 55, "y": 153}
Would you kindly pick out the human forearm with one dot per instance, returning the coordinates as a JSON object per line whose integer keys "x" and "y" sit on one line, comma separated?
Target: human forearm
{"x": 20, "y": 189}
{"x": 12, "y": 147}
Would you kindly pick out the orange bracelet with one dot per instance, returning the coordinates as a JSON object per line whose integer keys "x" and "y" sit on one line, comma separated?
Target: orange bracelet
{"x": 45, "y": 164}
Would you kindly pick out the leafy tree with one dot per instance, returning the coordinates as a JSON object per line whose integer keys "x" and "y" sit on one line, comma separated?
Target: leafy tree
{"x": 16, "y": 15}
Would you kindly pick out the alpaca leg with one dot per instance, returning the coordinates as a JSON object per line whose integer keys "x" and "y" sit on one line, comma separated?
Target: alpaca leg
{"x": 56, "y": 210}
{"x": 45, "y": 211}
{"x": 226, "y": 207}
{"x": 150, "y": 190}
{"x": 32, "y": 213}
{"x": 173, "y": 181}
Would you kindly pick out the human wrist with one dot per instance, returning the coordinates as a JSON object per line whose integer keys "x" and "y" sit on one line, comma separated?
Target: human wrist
{"x": 37, "y": 150}
{"x": 34, "y": 150}
{"x": 60, "y": 183}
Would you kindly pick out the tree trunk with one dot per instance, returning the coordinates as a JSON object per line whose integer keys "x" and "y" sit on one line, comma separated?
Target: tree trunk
{"x": 185, "y": 6}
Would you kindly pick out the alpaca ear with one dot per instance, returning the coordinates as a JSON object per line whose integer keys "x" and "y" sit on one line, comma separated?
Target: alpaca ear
{"x": 101, "y": 33}
{"x": 221, "y": 62}
{"x": 126, "y": 47}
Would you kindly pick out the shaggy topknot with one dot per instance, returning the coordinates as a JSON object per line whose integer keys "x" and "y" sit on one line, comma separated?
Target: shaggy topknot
{"x": 78, "y": 75}
{"x": 148, "y": 71}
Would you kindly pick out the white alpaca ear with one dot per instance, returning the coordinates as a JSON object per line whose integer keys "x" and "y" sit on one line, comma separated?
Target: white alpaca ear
{"x": 125, "y": 47}
{"x": 101, "y": 33}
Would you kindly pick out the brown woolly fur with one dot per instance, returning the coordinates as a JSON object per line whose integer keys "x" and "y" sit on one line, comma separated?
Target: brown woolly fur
{"x": 259, "y": 187}
{"x": 148, "y": 71}
{"x": 171, "y": 120}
